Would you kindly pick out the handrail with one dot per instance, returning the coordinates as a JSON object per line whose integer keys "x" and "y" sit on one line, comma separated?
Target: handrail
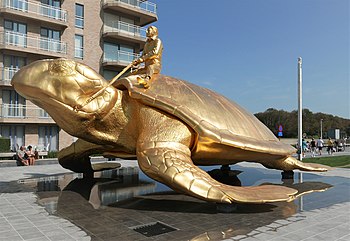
{"x": 142, "y": 5}
{"x": 22, "y": 111}
{"x": 40, "y": 43}
{"x": 7, "y": 73}
{"x": 36, "y": 8}
{"x": 121, "y": 56}
{"x": 127, "y": 28}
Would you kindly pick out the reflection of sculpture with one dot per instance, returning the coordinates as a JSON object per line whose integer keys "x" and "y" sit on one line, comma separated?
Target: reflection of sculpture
{"x": 170, "y": 127}
{"x": 151, "y": 56}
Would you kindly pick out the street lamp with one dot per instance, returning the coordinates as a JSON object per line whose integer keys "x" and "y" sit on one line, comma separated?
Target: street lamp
{"x": 321, "y": 129}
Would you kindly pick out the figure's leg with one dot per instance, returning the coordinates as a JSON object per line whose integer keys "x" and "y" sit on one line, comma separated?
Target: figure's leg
{"x": 76, "y": 157}
{"x": 171, "y": 164}
{"x": 150, "y": 71}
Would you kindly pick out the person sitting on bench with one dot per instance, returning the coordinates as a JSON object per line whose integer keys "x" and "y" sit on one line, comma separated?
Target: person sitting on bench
{"x": 20, "y": 159}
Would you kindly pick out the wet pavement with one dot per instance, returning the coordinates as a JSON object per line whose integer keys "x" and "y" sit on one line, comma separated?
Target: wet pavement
{"x": 48, "y": 202}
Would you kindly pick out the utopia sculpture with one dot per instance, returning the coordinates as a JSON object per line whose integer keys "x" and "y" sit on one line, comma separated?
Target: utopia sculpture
{"x": 170, "y": 127}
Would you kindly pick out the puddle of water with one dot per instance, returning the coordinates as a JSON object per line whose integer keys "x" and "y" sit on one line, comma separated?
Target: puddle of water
{"x": 115, "y": 200}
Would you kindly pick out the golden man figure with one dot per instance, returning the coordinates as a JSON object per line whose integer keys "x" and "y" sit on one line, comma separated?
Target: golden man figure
{"x": 151, "y": 56}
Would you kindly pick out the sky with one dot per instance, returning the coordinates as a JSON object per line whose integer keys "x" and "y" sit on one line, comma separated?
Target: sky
{"x": 247, "y": 50}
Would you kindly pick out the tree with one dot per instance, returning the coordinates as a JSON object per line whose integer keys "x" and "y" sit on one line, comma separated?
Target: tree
{"x": 272, "y": 118}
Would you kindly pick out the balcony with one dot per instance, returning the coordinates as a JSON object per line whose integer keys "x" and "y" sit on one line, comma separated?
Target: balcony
{"x": 121, "y": 58}
{"x": 38, "y": 45}
{"x": 6, "y": 75}
{"x": 146, "y": 11}
{"x": 125, "y": 31}
{"x": 34, "y": 10}
{"x": 17, "y": 113}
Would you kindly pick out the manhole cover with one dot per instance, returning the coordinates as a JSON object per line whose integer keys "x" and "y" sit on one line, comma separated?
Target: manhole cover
{"x": 153, "y": 229}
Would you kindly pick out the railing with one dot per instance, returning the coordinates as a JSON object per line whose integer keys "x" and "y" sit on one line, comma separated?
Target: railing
{"x": 126, "y": 28}
{"x": 36, "y": 8}
{"x": 39, "y": 43}
{"x": 7, "y": 73}
{"x": 22, "y": 111}
{"x": 142, "y": 5}
{"x": 121, "y": 56}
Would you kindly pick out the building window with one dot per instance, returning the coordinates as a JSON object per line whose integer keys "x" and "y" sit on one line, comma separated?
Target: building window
{"x": 21, "y": 5}
{"x": 51, "y": 9}
{"x": 13, "y": 105}
{"x": 15, "y": 33}
{"x": 15, "y": 133}
{"x": 50, "y": 40}
{"x": 79, "y": 15}
{"x": 11, "y": 65}
{"x": 48, "y": 138}
{"x": 79, "y": 46}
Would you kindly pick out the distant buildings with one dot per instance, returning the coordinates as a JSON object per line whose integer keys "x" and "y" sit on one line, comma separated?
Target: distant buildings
{"x": 104, "y": 34}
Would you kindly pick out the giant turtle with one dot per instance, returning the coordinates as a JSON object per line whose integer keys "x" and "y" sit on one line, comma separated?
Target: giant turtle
{"x": 170, "y": 128}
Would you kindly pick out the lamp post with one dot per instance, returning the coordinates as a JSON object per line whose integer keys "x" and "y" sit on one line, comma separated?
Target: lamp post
{"x": 321, "y": 136}
{"x": 300, "y": 109}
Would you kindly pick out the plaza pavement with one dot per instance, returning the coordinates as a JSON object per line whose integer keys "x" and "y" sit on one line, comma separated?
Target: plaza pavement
{"x": 22, "y": 218}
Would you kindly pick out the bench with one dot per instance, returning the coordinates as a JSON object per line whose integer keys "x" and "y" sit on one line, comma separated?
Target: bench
{"x": 42, "y": 154}
{"x": 7, "y": 154}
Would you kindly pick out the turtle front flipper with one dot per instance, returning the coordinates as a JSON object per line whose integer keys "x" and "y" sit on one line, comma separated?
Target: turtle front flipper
{"x": 171, "y": 164}
{"x": 76, "y": 157}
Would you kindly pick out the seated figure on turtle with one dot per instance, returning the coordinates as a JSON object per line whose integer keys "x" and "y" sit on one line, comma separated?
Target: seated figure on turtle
{"x": 151, "y": 57}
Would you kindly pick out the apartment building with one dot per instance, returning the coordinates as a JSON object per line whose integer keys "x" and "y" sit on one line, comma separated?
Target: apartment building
{"x": 104, "y": 34}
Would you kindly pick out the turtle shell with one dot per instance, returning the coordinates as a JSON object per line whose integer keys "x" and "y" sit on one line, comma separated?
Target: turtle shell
{"x": 212, "y": 116}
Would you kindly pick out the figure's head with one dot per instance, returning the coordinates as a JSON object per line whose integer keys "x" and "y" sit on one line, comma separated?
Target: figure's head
{"x": 152, "y": 32}
{"x": 58, "y": 85}
{"x": 30, "y": 148}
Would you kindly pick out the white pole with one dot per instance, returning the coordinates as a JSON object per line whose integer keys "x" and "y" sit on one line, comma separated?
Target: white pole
{"x": 321, "y": 130}
{"x": 300, "y": 109}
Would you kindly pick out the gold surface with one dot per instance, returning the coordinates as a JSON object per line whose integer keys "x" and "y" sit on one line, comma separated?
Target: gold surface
{"x": 151, "y": 57}
{"x": 170, "y": 127}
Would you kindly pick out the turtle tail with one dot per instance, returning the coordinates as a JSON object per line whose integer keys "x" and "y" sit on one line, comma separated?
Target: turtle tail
{"x": 291, "y": 163}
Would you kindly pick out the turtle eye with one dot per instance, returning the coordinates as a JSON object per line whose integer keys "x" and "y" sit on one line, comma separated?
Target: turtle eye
{"x": 61, "y": 67}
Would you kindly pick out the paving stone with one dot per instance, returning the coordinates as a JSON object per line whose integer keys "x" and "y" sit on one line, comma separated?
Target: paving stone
{"x": 111, "y": 223}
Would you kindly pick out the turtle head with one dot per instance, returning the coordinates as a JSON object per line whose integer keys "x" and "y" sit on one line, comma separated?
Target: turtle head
{"x": 59, "y": 85}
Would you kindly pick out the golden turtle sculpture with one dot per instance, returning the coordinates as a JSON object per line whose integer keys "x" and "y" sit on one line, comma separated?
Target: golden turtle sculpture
{"x": 170, "y": 128}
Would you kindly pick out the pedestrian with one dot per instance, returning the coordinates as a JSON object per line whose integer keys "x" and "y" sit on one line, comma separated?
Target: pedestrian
{"x": 320, "y": 146}
{"x": 330, "y": 145}
{"x": 313, "y": 147}
{"x": 304, "y": 147}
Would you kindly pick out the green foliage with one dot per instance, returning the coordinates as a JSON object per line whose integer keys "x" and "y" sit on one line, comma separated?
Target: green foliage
{"x": 332, "y": 161}
{"x": 311, "y": 122}
{"x": 52, "y": 154}
{"x": 5, "y": 144}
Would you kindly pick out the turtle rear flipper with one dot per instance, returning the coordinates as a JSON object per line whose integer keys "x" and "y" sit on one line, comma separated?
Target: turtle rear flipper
{"x": 171, "y": 164}
{"x": 304, "y": 166}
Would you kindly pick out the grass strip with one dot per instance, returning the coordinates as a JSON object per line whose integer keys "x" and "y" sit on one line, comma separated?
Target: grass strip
{"x": 332, "y": 161}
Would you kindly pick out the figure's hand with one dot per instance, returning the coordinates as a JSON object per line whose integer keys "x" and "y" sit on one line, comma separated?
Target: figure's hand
{"x": 137, "y": 61}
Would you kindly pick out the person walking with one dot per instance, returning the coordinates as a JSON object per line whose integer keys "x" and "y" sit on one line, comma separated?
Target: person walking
{"x": 330, "y": 145}
{"x": 320, "y": 146}
{"x": 313, "y": 147}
